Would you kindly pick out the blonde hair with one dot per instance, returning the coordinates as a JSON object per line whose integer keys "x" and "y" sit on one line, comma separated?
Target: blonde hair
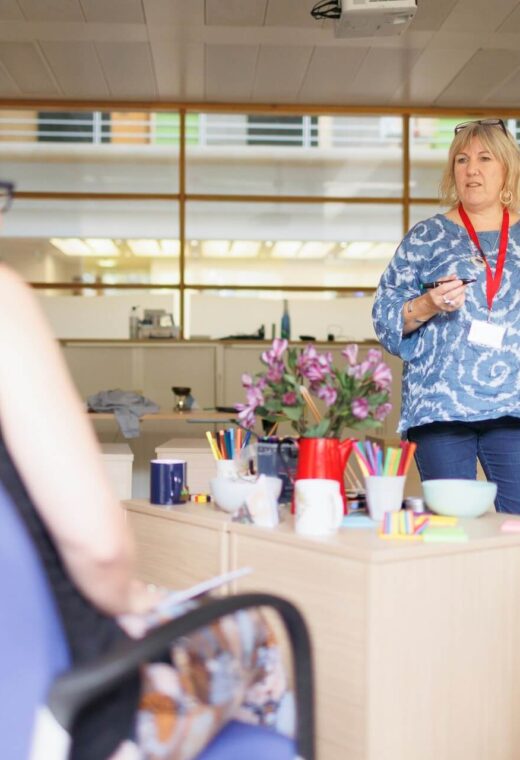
{"x": 503, "y": 147}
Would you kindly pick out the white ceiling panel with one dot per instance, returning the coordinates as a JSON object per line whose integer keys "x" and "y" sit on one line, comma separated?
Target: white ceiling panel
{"x": 128, "y": 69}
{"x": 478, "y": 15}
{"x": 381, "y": 72}
{"x": 456, "y": 52}
{"x": 506, "y": 94}
{"x": 7, "y": 85}
{"x": 27, "y": 68}
{"x": 483, "y": 73}
{"x": 178, "y": 12}
{"x": 230, "y": 69}
{"x": 293, "y": 61}
{"x": 291, "y": 13}
{"x": 113, "y": 11}
{"x": 511, "y": 25}
{"x": 179, "y": 68}
{"x": 76, "y": 68}
{"x": 51, "y": 10}
{"x": 235, "y": 12}
{"x": 430, "y": 16}
{"x": 10, "y": 11}
{"x": 431, "y": 74}
{"x": 329, "y": 72}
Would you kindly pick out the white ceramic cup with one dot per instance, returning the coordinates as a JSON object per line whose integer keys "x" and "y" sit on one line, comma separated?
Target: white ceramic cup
{"x": 227, "y": 468}
{"x": 318, "y": 506}
{"x": 384, "y": 493}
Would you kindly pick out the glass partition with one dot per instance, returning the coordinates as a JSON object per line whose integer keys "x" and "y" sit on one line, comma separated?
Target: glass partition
{"x": 297, "y": 244}
{"x": 326, "y": 315}
{"x": 90, "y": 152}
{"x": 103, "y": 242}
{"x": 334, "y": 156}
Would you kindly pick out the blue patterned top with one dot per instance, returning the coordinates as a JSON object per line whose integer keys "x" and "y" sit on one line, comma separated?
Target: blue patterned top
{"x": 445, "y": 377}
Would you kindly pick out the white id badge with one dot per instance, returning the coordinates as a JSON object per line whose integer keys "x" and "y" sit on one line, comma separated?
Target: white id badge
{"x": 486, "y": 334}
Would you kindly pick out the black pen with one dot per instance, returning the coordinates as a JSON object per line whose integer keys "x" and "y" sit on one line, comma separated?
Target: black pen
{"x": 436, "y": 283}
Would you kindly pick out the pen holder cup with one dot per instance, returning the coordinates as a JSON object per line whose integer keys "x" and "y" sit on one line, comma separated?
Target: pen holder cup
{"x": 384, "y": 493}
{"x": 227, "y": 469}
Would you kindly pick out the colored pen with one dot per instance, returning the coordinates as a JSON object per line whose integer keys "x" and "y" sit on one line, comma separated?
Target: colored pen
{"x": 436, "y": 283}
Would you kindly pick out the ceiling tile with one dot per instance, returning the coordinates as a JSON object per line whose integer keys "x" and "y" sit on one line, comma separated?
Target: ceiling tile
{"x": 478, "y": 15}
{"x": 76, "y": 68}
{"x": 128, "y": 69}
{"x": 113, "y": 11}
{"x": 290, "y": 13}
{"x": 506, "y": 94}
{"x": 230, "y": 71}
{"x": 24, "y": 63}
{"x": 511, "y": 24}
{"x": 235, "y": 12}
{"x": 380, "y": 74}
{"x": 51, "y": 10}
{"x": 10, "y": 10}
{"x": 8, "y": 87}
{"x": 484, "y": 72}
{"x": 328, "y": 72}
{"x": 179, "y": 69}
{"x": 430, "y": 16}
{"x": 178, "y": 12}
{"x": 272, "y": 62}
{"x": 431, "y": 74}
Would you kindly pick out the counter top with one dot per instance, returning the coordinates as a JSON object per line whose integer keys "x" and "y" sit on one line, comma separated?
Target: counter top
{"x": 361, "y": 544}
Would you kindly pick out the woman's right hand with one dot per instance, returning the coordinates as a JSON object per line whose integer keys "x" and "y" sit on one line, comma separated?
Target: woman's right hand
{"x": 448, "y": 296}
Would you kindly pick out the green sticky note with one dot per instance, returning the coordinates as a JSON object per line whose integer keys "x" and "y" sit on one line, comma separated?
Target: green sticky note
{"x": 447, "y": 533}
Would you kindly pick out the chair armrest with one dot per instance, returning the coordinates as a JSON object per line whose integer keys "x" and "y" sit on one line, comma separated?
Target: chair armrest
{"x": 82, "y": 685}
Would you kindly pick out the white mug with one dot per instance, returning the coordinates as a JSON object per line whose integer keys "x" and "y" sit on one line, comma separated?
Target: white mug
{"x": 318, "y": 506}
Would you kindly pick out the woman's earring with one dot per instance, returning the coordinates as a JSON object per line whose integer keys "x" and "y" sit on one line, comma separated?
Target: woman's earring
{"x": 506, "y": 196}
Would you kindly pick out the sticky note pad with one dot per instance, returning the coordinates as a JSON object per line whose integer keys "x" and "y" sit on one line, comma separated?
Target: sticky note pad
{"x": 442, "y": 520}
{"x": 448, "y": 534}
{"x": 357, "y": 521}
{"x": 511, "y": 526}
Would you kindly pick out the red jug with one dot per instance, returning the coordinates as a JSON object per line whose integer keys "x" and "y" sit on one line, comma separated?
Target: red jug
{"x": 324, "y": 458}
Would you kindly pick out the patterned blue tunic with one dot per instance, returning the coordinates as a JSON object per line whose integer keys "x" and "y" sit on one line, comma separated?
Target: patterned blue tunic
{"x": 445, "y": 377}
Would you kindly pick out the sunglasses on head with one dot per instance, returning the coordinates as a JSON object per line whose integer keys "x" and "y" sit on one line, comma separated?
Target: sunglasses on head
{"x": 484, "y": 122}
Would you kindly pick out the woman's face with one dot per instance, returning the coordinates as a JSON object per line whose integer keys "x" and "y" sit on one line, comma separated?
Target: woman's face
{"x": 479, "y": 176}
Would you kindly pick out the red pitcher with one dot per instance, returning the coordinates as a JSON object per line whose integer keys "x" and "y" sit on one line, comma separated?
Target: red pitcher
{"x": 324, "y": 458}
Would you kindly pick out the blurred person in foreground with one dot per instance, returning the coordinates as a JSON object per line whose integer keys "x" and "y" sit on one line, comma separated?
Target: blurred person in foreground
{"x": 448, "y": 305}
{"x": 54, "y": 493}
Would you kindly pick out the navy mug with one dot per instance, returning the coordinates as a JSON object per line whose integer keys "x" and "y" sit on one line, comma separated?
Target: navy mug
{"x": 168, "y": 481}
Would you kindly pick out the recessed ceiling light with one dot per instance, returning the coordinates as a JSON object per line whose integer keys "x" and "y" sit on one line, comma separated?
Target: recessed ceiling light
{"x": 286, "y": 249}
{"x": 103, "y": 246}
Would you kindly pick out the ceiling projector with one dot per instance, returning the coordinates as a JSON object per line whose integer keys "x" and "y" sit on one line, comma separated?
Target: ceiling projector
{"x": 374, "y": 18}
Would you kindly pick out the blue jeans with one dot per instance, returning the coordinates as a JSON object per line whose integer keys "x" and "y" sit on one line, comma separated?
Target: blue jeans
{"x": 450, "y": 450}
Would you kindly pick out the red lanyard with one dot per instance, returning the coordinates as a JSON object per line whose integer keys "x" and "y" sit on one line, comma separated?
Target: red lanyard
{"x": 492, "y": 280}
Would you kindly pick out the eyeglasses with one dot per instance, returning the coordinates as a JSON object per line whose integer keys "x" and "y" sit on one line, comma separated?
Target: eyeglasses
{"x": 484, "y": 122}
{"x": 6, "y": 196}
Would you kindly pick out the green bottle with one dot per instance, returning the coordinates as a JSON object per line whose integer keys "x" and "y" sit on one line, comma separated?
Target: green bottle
{"x": 285, "y": 325}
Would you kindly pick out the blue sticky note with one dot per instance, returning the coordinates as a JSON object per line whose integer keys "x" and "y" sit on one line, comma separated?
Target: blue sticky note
{"x": 358, "y": 521}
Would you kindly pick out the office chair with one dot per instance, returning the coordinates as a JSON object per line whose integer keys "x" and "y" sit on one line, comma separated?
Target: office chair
{"x": 74, "y": 690}
{"x": 34, "y": 655}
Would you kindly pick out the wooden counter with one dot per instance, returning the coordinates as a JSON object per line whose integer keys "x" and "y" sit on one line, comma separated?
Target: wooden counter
{"x": 416, "y": 644}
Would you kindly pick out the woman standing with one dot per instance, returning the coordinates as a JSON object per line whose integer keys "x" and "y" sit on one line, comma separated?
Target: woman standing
{"x": 448, "y": 305}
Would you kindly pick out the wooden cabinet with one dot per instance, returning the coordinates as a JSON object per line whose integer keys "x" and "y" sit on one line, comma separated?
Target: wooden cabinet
{"x": 416, "y": 645}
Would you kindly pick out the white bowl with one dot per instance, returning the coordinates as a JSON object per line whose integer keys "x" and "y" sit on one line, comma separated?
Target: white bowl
{"x": 459, "y": 498}
{"x": 230, "y": 495}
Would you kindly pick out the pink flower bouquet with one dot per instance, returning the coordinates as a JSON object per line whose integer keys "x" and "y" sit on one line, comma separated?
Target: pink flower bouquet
{"x": 354, "y": 396}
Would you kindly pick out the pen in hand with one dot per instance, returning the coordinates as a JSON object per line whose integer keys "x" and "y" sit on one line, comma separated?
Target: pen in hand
{"x": 436, "y": 283}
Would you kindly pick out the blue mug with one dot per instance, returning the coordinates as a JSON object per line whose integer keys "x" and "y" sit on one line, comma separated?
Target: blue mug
{"x": 168, "y": 481}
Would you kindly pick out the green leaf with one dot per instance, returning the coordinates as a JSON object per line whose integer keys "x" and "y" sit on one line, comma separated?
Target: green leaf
{"x": 292, "y": 412}
{"x": 319, "y": 430}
